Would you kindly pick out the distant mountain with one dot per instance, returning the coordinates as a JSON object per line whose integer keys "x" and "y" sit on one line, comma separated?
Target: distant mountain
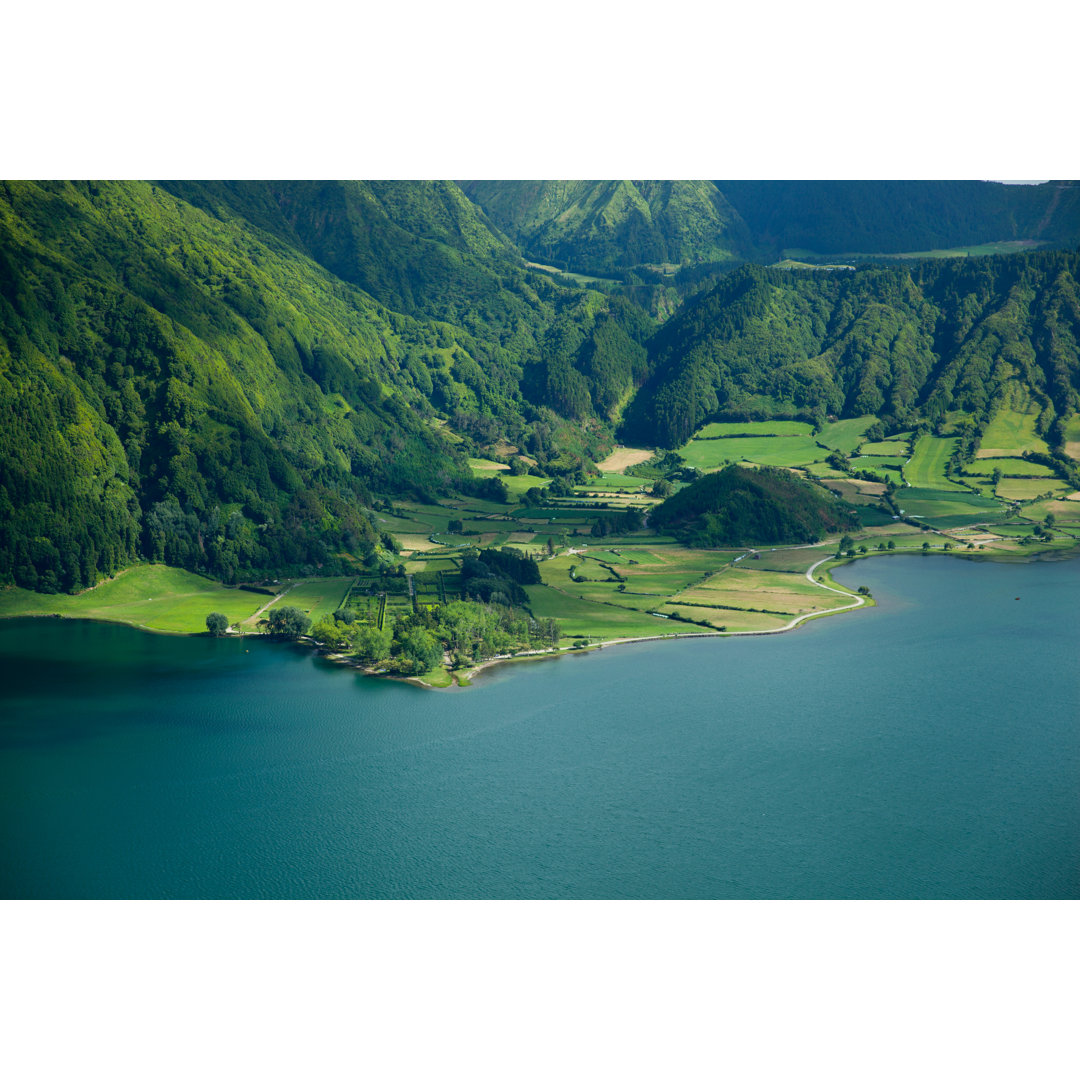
{"x": 604, "y": 226}
{"x": 608, "y": 226}
{"x": 881, "y": 216}
{"x": 230, "y": 376}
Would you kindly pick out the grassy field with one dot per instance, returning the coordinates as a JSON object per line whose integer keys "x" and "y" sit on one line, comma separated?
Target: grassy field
{"x": 1072, "y": 438}
{"x": 153, "y": 597}
{"x": 926, "y": 469}
{"x": 1024, "y": 490}
{"x": 786, "y": 450}
{"x": 845, "y": 435}
{"x": 886, "y": 448}
{"x": 754, "y": 427}
{"x": 1011, "y": 431}
{"x": 622, "y": 457}
{"x": 761, "y": 590}
{"x": 948, "y": 509}
{"x": 482, "y": 466}
{"x": 1008, "y": 466}
{"x": 315, "y": 597}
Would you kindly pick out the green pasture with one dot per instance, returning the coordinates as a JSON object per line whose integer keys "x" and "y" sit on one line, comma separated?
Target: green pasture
{"x": 485, "y": 467}
{"x": 892, "y": 467}
{"x": 947, "y": 509}
{"x": 1011, "y": 431}
{"x": 1072, "y": 437}
{"x": 754, "y": 427}
{"x": 1025, "y": 490}
{"x": 150, "y": 596}
{"x": 926, "y": 469}
{"x": 315, "y": 597}
{"x": 726, "y": 620}
{"x": 886, "y": 448}
{"x": 785, "y": 450}
{"x": 1065, "y": 511}
{"x": 984, "y": 467}
{"x": 845, "y": 435}
{"x": 579, "y": 618}
{"x": 790, "y": 560}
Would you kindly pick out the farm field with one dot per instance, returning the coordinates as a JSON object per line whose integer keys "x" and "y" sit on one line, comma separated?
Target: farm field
{"x": 1009, "y": 467}
{"x": 1011, "y": 431}
{"x": 150, "y": 596}
{"x": 888, "y": 468}
{"x": 622, "y": 457}
{"x": 726, "y": 620}
{"x": 845, "y": 435}
{"x": 885, "y": 448}
{"x": 754, "y": 427}
{"x": 763, "y": 450}
{"x": 315, "y": 597}
{"x": 948, "y": 509}
{"x": 1072, "y": 438}
{"x": 857, "y": 492}
{"x": 483, "y": 466}
{"x": 926, "y": 469}
{"x": 763, "y": 590}
{"x": 1025, "y": 490}
{"x": 583, "y": 618}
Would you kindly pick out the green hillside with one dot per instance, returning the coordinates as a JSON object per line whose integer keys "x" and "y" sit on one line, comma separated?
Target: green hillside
{"x": 602, "y": 226}
{"x": 736, "y": 506}
{"x": 902, "y": 343}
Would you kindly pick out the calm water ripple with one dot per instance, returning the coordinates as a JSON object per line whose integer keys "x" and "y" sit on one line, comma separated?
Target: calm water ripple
{"x": 929, "y": 747}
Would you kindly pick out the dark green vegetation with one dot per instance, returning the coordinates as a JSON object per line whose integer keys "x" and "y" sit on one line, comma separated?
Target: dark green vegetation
{"x": 909, "y": 345}
{"x": 366, "y": 383}
{"x": 736, "y": 507}
{"x": 681, "y": 227}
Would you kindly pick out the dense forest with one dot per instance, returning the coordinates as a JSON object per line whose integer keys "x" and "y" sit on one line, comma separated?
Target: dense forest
{"x": 607, "y": 227}
{"x": 231, "y": 377}
{"x": 906, "y": 343}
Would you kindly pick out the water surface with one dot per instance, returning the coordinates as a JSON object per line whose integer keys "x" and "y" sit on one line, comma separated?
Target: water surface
{"x": 929, "y": 747}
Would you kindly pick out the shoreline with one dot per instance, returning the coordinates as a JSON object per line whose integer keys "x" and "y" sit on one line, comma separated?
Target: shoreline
{"x": 462, "y": 679}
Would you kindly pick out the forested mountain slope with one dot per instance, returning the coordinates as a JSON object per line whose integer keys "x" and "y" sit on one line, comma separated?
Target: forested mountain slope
{"x": 874, "y": 216}
{"x": 904, "y": 343}
{"x": 228, "y": 376}
{"x": 602, "y": 226}
{"x": 607, "y": 226}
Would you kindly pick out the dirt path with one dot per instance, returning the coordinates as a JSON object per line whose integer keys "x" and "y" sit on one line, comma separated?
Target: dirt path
{"x": 253, "y": 619}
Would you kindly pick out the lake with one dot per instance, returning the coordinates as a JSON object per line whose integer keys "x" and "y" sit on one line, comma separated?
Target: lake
{"x": 925, "y": 748}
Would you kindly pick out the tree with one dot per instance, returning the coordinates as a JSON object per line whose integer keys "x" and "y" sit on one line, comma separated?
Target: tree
{"x": 288, "y": 622}
{"x": 217, "y": 623}
{"x": 373, "y": 644}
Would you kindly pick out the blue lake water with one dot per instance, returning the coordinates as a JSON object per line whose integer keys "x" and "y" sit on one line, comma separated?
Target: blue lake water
{"x": 925, "y": 748}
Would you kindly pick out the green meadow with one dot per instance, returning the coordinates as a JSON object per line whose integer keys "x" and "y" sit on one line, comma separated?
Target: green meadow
{"x": 926, "y": 469}
{"x": 845, "y": 435}
{"x": 1011, "y": 431}
{"x": 149, "y": 596}
{"x": 763, "y": 450}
